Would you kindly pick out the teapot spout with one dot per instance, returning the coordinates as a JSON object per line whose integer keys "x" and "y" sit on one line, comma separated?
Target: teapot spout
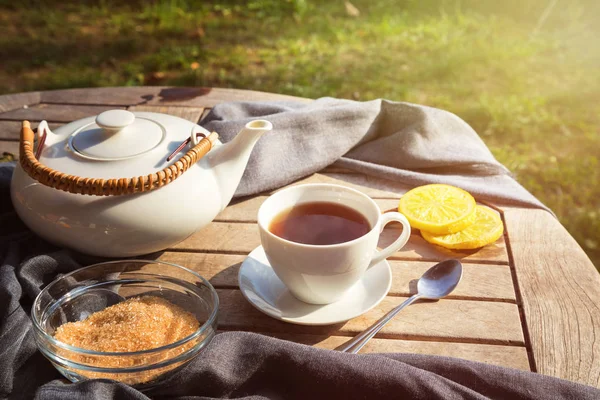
{"x": 229, "y": 160}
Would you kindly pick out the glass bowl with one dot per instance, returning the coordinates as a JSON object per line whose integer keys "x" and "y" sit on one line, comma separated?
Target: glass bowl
{"x": 73, "y": 297}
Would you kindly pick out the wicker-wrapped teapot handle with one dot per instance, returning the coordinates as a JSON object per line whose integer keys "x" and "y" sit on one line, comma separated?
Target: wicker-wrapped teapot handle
{"x": 106, "y": 187}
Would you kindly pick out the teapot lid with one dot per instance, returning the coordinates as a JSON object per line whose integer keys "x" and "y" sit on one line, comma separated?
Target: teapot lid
{"x": 117, "y": 135}
{"x": 118, "y": 143}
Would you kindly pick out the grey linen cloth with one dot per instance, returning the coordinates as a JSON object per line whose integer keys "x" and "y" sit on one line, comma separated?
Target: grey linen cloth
{"x": 398, "y": 141}
{"x": 403, "y": 142}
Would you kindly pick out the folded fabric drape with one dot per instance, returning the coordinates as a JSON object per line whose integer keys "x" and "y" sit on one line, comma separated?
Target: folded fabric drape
{"x": 404, "y": 142}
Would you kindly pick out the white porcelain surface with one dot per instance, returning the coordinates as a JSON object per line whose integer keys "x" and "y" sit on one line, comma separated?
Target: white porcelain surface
{"x": 115, "y": 119}
{"x": 131, "y": 225}
{"x": 321, "y": 274}
{"x": 265, "y": 291}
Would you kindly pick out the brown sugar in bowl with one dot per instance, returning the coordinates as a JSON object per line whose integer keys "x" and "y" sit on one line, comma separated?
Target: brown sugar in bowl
{"x": 135, "y": 321}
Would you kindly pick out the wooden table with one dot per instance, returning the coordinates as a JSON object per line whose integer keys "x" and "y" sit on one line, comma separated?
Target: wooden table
{"x": 530, "y": 301}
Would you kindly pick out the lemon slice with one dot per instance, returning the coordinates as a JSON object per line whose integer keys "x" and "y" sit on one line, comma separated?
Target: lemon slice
{"x": 486, "y": 229}
{"x": 438, "y": 209}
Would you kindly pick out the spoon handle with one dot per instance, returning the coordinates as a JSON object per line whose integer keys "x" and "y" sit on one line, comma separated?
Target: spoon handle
{"x": 359, "y": 341}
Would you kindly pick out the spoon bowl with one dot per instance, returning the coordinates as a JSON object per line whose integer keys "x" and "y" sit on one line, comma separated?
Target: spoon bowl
{"x": 440, "y": 280}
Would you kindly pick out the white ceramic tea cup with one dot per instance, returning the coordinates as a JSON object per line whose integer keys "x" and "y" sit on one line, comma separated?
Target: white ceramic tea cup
{"x": 321, "y": 274}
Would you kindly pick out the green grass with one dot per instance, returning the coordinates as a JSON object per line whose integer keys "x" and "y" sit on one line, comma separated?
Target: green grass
{"x": 525, "y": 75}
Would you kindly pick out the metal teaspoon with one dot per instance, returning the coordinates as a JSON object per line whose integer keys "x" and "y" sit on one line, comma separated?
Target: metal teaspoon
{"x": 437, "y": 282}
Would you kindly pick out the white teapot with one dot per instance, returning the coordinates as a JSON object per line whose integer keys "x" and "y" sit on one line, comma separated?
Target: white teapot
{"x": 103, "y": 185}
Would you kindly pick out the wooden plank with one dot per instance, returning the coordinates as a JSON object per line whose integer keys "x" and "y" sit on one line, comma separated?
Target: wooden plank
{"x": 505, "y": 356}
{"x": 242, "y": 238}
{"x": 445, "y": 320}
{"x": 560, "y": 294}
{"x": 54, "y": 112}
{"x": 10, "y": 130}
{"x": 480, "y": 281}
{"x": 221, "y": 270}
{"x": 9, "y": 136}
{"x": 209, "y": 97}
{"x": 15, "y": 101}
{"x": 223, "y": 238}
{"x": 241, "y": 210}
{"x": 190, "y": 113}
{"x": 115, "y": 96}
{"x": 159, "y": 95}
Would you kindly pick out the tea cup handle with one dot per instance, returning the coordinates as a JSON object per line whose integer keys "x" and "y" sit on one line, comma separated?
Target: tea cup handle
{"x": 398, "y": 243}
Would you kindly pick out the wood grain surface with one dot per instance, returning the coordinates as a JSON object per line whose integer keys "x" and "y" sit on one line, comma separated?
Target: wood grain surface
{"x": 560, "y": 293}
{"x": 10, "y": 130}
{"x": 190, "y": 113}
{"x": 15, "y": 101}
{"x": 462, "y": 321}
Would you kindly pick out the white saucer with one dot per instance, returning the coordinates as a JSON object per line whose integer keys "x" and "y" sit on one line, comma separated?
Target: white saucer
{"x": 265, "y": 291}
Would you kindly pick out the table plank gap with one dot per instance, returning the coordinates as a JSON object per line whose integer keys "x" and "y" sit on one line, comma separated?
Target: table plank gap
{"x": 207, "y": 251}
{"x": 437, "y": 259}
{"x": 395, "y": 337}
{"x": 472, "y": 298}
{"x": 519, "y": 298}
{"x": 239, "y": 221}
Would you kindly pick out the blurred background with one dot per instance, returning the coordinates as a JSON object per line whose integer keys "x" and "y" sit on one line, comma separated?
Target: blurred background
{"x": 525, "y": 74}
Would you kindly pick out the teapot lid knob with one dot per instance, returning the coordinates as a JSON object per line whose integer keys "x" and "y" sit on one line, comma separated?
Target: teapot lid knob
{"x": 115, "y": 119}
